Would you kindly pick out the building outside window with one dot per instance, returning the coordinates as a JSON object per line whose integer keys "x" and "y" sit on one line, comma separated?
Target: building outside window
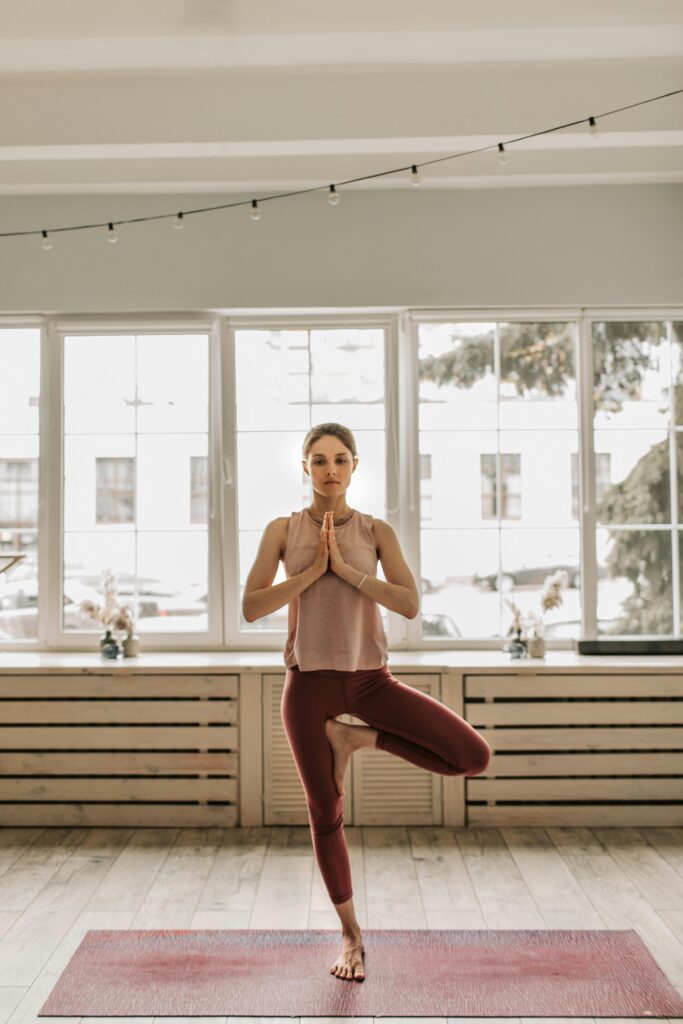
{"x": 511, "y": 486}
{"x": 115, "y": 490}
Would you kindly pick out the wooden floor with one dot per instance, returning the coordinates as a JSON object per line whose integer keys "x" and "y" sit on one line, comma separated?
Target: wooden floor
{"x": 56, "y": 883}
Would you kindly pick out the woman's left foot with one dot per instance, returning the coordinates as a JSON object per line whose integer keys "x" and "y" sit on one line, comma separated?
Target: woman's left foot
{"x": 341, "y": 739}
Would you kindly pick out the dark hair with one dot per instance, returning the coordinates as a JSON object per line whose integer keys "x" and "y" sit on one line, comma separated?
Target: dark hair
{"x": 336, "y": 429}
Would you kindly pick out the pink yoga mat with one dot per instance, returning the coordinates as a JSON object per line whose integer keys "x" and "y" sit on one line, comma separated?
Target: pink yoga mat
{"x": 409, "y": 973}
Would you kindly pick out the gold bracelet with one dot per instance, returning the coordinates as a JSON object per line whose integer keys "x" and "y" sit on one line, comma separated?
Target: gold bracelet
{"x": 364, "y": 578}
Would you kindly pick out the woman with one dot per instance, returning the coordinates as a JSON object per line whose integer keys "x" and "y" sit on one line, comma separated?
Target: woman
{"x": 336, "y": 659}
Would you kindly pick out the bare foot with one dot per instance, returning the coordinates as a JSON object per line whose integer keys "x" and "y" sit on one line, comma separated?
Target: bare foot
{"x": 349, "y": 963}
{"x": 341, "y": 739}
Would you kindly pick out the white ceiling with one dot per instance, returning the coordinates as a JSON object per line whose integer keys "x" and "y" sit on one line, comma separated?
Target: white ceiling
{"x": 268, "y": 95}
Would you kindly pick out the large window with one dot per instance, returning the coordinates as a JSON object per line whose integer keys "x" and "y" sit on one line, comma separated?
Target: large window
{"x": 286, "y": 382}
{"x": 498, "y": 416}
{"x": 19, "y": 445}
{"x": 638, "y": 420}
{"x": 500, "y": 449}
{"x": 135, "y": 418}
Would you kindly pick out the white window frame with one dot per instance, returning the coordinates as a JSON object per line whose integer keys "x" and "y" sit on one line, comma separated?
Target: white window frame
{"x": 402, "y": 465}
{"x": 57, "y": 330}
{"x": 237, "y": 638}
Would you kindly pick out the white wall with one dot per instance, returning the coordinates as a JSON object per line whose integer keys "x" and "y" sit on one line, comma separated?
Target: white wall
{"x": 587, "y": 245}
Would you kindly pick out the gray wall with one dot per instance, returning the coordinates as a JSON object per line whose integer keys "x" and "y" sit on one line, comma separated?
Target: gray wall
{"x": 587, "y": 245}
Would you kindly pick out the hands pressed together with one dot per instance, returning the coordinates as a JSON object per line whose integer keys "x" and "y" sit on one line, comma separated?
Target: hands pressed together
{"x": 329, "y": 555}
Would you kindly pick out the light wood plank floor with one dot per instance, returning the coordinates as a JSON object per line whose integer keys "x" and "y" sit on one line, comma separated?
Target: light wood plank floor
{"x": 56, "y": 883}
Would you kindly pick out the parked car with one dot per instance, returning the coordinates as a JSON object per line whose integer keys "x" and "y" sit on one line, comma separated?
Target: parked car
{"x": 439, "y": 625}
{"x": 525, "y": 576}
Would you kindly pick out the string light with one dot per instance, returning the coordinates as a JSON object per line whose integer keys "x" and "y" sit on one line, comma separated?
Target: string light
{"x": 333, "y": 197}
{"x": 255, "y": 212}
{"x": 47, "y": 242}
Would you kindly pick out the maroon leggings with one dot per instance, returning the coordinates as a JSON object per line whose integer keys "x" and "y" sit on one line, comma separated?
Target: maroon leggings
{"x": 410, "y": 724}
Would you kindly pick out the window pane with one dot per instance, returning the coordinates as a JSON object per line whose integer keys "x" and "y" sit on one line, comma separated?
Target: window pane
{"x": 634, "y": 582}
{"x": 287, "y": 382}
{"x": 537, "y": 366}
{"x": 640, "y": 490}
{"x": 457, "y": 382}
{"x": 528, "y": 557}
{"x": 498, "y": 477}
{"x": 631, "y": 375}
{"x": 135, "y": 498}
{"x": 19, "y": 452}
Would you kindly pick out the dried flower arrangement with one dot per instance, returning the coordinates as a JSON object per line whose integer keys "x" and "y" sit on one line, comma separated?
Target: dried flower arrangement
{"x": 551, "y": 597}
{"x": 110, "y": 614}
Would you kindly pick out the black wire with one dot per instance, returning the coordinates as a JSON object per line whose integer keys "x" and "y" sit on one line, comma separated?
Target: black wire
{"x": 347, "y": 181}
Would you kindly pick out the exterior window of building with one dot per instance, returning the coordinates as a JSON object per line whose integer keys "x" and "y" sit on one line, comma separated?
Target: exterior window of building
{"x": 511, "y": 486}
{"x": 115, "y": 494}
{"x": 18, "y": 493}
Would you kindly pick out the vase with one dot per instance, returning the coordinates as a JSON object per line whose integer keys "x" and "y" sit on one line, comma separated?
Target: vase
{"x": 517, "y": 647}
{"x": 131, "y": 645}
{"x": 536, "y": 646}
{"x": 109, "y": 646}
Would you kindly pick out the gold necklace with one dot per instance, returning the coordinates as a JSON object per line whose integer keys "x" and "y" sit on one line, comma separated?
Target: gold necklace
{"x": 336, "y": 521}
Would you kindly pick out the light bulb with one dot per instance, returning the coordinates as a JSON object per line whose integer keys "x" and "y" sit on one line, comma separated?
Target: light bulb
{"x": 178, "y": 221}
{"x": 111, "y": 233}
{"x": 593, "y": 128}
{"x": 47, "y": 241}
{"x": 503, "y": 156}
{"x": 333, "y": 197}
{"x": 254, "y": 213}
{"x": 415, "y": 175}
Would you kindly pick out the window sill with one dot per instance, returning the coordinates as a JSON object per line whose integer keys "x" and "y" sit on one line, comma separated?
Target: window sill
{"x": 259, "y": 661}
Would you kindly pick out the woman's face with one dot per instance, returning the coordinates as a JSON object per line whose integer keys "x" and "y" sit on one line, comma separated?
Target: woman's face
{"x": 330, "y": 466}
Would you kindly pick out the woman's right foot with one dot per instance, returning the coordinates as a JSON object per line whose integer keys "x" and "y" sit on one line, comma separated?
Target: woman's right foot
{"x": 341, "y": 739}
{"x": 349, "y": 963}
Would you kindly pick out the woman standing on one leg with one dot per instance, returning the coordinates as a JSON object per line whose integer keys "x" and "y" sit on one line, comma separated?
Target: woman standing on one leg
{"x": 336, "y": 659}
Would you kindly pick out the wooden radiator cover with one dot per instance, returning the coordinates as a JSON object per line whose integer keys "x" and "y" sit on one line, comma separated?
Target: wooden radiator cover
{"x": 105, "y": 750}
{"x": 584, "y": 749}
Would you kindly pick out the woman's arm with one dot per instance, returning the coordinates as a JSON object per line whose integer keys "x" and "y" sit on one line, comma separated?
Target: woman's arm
{"x": 399, "y": 593}
{"x": 260, "y": 597}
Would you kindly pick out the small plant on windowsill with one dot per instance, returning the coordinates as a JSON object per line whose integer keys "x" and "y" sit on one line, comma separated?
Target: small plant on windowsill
{"x": 551, "y": 597}
{"x": 116, "y": 619}
{"x": 516, "y": 647}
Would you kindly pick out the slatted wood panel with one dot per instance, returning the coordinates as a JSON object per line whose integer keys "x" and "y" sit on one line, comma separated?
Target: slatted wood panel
{"x": 380, "y": 789}
{"x": 599, "y": 749}
{"x": 114, "y": 749}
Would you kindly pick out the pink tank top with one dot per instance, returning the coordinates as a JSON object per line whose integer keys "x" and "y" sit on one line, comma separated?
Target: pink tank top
{"x": 332, "y": 624}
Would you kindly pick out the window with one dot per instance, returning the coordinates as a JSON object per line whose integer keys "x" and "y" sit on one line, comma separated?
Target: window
{"x": 475, "y": 409}
{"x": 511, "y": 486}
{"x": 501, "y": 392}
{"x": 287, "y": 380}
{"x": 638, "y": 420}
{"x": 135, "y": 416}
{"x": 115, "y": 483}
{"x": 19, "y": 452}
{"x": 18, "y": 493}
